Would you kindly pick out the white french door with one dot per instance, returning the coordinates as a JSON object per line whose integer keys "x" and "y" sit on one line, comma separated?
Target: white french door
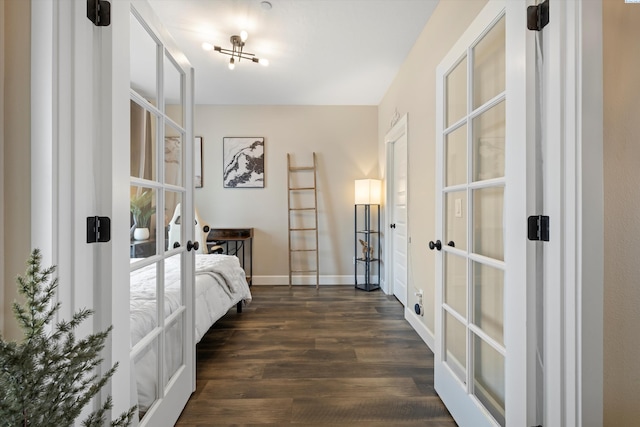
{"x": 160, "y": 190}
{"x": 482, "y": 309}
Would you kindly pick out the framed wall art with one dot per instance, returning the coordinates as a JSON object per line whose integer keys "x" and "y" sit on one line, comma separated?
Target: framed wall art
{"x": 197, "y": 164}
{"x": 243, "y": 159}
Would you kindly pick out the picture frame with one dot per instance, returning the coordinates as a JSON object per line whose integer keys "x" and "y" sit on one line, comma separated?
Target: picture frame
{"x": 197, "y": 164}
{"x": 243, "y": 162}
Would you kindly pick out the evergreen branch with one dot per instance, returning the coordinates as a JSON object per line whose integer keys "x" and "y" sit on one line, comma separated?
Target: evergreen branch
{"x": 46, "y": 380}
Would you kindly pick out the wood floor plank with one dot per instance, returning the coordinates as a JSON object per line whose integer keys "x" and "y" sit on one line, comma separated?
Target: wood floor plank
{"x": 309, "y": 388}
{"x": 236, "y": 411}
{"x": 334, "y": 356}
{"x": 377, "y": 409}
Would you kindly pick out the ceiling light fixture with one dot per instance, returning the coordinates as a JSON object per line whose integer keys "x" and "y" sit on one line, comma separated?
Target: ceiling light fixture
{"x": 236, "y": 52}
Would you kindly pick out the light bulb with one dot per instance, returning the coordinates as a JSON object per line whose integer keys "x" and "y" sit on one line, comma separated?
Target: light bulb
{"x": 207, "y": 46}
{"x": 232, "y": 64}
{"x": 264, "y": 62}
{"x": 244, "y": 35}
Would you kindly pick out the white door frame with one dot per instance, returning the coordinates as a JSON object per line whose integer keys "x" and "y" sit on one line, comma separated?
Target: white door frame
{"x": 73, "y": 141}
{"x": 574, "y": 272}
{"x": 399, "y": 129}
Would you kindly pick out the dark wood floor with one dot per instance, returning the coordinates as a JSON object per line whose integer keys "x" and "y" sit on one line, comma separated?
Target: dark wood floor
{"x": 334, "y": 356}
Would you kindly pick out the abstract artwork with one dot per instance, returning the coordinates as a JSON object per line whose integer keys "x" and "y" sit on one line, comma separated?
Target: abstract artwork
{"x": 243, "y": 162}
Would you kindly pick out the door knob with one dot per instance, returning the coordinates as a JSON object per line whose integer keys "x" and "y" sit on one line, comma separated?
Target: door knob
{"x": 392, "y": 226}
{"x": 192, "y": 245}
{"x": 437, "y": 245}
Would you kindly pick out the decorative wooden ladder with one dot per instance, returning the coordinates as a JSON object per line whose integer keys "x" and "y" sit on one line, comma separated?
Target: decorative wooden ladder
{"x": 298, "y": 212}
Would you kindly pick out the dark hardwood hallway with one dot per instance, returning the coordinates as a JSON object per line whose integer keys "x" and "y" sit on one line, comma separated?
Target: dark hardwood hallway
{"x": 334, "y": 356}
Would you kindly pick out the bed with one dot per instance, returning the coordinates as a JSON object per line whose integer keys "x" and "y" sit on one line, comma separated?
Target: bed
{"x": 220, "y": 284}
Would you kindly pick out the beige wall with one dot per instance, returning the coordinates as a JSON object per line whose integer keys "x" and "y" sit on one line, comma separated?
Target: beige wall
{"x": 16, "y": 166}
{"x": 344, "y": 139}
{"x": 622, "y": 213}
{"x": 2, "y": 38}
{"x": 413, "y": 92}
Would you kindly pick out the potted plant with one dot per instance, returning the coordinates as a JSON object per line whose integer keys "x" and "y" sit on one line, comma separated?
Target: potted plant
{"x": 142, "y": 210}
{"x": 50, "y": 376}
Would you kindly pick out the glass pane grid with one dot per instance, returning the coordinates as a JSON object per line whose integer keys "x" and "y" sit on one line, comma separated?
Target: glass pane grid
{"x": 146, "y": 368}
{"x": 488, "y": 58}
{"x": 488, "y": 143}
{"x": 455, "y": 344}
{"x": 174, "y": 154}
{"x": 455, "y": 289}
{"x": 495, "y": 345}
{"x": 455, "y": 149}
{"x": 488, "y": 384}
{"x": 174, "y": 350}
{"x": 456, "y": 98}
{"x": 173, "y": 89}
{"x": 481, "y": 208}
{"x": 487, "y": 305}
{"x": 487, "y": 205}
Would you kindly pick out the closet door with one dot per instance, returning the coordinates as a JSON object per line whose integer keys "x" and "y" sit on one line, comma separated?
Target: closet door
{"x": 161, "y": 200}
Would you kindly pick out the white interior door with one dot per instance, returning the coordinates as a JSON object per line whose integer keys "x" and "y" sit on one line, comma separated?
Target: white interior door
{"x": 398, "y": 190}
{"x": 481, "y": 354}
{"x": 161, "y": 191}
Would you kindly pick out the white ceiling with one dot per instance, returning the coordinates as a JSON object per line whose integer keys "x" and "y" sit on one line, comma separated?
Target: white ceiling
{"x": 321, "y": 52}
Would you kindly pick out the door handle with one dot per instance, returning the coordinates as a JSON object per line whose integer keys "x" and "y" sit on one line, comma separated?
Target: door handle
{"x": 392, "y": 226}
{"x": 437, "y": 245}
{"x": 192, "y": 245}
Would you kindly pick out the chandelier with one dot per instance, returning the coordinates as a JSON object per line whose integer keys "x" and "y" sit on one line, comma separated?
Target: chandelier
{"x": 236, "y": 52}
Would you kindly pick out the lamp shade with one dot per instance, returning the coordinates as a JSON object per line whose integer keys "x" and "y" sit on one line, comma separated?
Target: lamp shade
{"x": 367, "y": 191}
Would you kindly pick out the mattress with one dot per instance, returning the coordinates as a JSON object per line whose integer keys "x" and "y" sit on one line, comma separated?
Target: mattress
{"x": 220, "y": 284}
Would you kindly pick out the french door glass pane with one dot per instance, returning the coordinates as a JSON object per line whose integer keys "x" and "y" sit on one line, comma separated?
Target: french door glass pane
{"x": 489, "y": 65}
{"x": 172, "y": 290}
{"x": 142, "y": 143}
{"x": 488, "y": 300}
{"x": 143, "y": 222}
{"x": 143, "y": 56}
{"x": 456, "y": 156}
{"x": 143, "y": 284}
{"x": 455, "y": 344}
{"x": 487, "y": 222}
{"x": 173, "y": 97}
{"x": 146, "y": 371}
{"x": 488, "y": 143}
{"x": 173, "y": 349}
{"x": 173, "y": 156}
{"x": 456, "y": 219}
{"x": 456, "y": 93}
{"x": 173, "y": 218}
{"x": 488, "y": 381}
{"x": 455, "y": 283}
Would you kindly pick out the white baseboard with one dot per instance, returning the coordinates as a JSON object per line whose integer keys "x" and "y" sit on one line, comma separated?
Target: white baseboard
{"x": 416, "y": 322}
{"x": 302, "y": 280}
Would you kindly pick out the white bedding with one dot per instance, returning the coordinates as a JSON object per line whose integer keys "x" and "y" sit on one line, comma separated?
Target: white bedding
{"x": 220, "y": 284}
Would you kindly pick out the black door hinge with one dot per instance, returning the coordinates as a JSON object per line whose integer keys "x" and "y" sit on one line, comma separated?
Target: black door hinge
{"x": 538, "y": 228}
{"x": 98, "y": 229}
{"x": 99, "y": 12}
{"x": 538, "y": 16}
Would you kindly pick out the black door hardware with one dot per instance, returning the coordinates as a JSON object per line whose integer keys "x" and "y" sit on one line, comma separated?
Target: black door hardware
{"x": 437, "y": 245}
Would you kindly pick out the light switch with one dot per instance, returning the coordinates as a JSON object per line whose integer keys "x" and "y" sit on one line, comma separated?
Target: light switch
{"x": 458, "y": 208}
